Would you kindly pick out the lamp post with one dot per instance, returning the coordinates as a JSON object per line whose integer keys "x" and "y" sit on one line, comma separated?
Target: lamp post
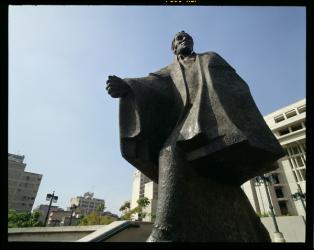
{"x": 278, "y": 236}
{"x": 72, "y": 208}
{"x": 299, "y": 196}
{"x": 51, "y": 198}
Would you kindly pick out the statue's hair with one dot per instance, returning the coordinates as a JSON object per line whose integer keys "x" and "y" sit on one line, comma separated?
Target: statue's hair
{"x": 173, "y": 40}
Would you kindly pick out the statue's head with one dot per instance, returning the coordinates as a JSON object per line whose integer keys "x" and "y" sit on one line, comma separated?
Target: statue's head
{"x": 182, "y": 43}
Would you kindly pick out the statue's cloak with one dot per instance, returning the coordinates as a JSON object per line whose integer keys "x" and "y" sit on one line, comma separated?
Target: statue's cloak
{"x": 222, "y": 133}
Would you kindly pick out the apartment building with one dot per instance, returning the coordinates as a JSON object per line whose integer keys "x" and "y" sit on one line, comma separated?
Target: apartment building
{"x": 23, "y": 186}
{"x": 87, "y": 203}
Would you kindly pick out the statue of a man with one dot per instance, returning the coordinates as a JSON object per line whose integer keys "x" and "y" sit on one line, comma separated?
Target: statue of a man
{"x": 193, "y": 128}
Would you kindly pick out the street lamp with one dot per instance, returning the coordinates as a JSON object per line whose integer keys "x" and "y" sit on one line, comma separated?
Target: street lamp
{"x": 299, "y": 196}
{"x": 278, "y": 236}
{"x": 51, "y": 198}
{"x": 72, "y": 208}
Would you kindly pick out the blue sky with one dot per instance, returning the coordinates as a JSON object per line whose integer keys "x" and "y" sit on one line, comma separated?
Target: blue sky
{"x": 65, "y": 124}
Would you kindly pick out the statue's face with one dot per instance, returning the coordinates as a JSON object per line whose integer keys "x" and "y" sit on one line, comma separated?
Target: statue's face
{"x": 182, "y": 43}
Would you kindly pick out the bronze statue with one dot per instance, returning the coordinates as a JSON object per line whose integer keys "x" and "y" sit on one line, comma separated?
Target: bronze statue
{"x": 193, "y": 128}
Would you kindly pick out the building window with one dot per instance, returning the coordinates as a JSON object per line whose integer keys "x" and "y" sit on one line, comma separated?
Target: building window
{"x": 283, "y": 131}
{"x": 303, "y": 173}
{"x": 299, "y": 176}
{"x": 296, "y": 127}
{"x": 279, "y": 193}
{"x": 275, "y": 179}
{"x": 303, "y": 145}
{"x": 301, "y": 109}
{"x": 295, "y": 150}
{"x": 283, "y": 207}
{"x": 279, "y": 118}
{"x": 295, "y": 176}
{"x": 291, "y": 113}
{"x": 299, "y": 161}
{"x": 296, "y": 157}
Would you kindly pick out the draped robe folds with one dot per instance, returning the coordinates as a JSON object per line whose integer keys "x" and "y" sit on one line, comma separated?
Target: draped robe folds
{"x": 222, "y": 133}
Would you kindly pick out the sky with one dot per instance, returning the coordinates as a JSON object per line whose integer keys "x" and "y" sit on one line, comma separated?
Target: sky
{"x": 67, "y": 126}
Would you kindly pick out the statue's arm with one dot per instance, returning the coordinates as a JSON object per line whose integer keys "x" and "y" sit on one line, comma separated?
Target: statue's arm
{"x": 144, "y": 117}
{"x": 144, "y": 105}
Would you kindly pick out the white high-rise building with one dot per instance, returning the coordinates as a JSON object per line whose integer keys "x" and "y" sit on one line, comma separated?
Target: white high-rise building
{"x": 289, "y": 126}
{"x": 144, "y": 187}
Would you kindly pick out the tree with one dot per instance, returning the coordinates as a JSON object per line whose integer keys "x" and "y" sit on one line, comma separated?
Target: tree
{"x": 141, "y": 204}
{"x": 23, "y": 219}
{"x": 95, "y": 218}
{"x": 129, "y": 213}
{"x": 100, "y": 208}
{"x": 125, "y": 207}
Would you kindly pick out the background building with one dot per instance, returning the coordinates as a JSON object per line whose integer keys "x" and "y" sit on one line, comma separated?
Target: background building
{"x": 144, "y": 187}
{"x": 61, "y": 218}
{"x": 289, "y": 126}
{"x": 87, "y": 203}
{"x": 43, "y": 209}
{"x": 151, "y": 192}
{"x": 23, "y": 186}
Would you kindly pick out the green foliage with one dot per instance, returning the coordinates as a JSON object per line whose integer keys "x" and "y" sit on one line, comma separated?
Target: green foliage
{"x": 141, "y": 203}
{"x": 23, "y": 219}
{"x": 124, "y": 208}
{"x": 128, "y": 214}
{"x": 264, "y": 214}
{"x": 78, "y": 221}
{"x": 100, "y": 208}
{"x": 95, "y": 218}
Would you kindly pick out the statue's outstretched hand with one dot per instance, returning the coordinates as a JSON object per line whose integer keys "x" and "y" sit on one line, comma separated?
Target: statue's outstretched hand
{"x": 116, "y": 87}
